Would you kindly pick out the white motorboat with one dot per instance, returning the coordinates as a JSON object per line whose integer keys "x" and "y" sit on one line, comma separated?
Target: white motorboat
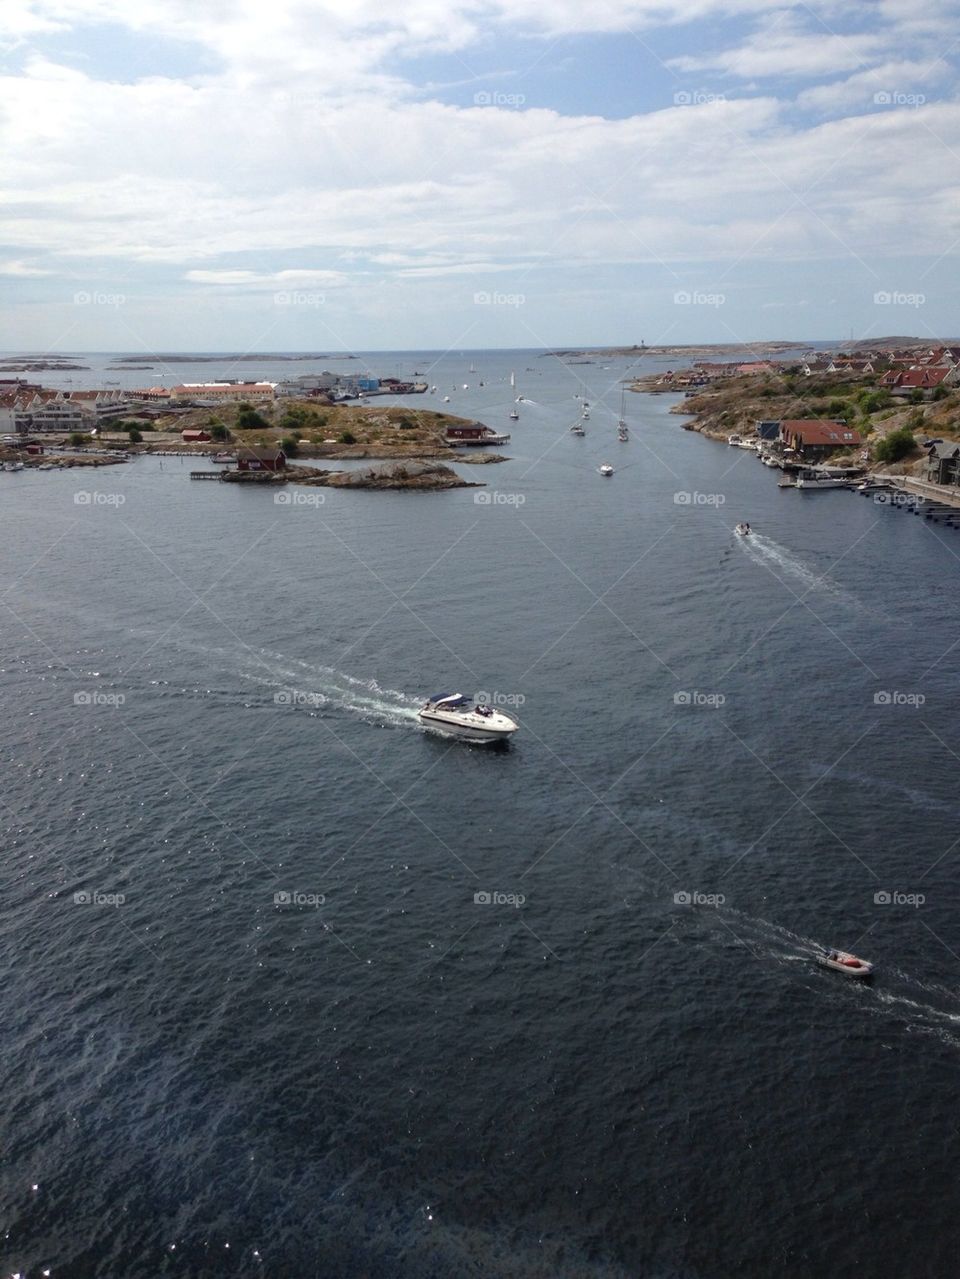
{"x": 446, "y": 399}
{"x": 514, "y": 415}
{"x": 843, "y": 962}
{"x": 577, "y": 429}
{"x": 605, "y": 469}
{"x": 817, "y": 479}
{"x": 455, "y": 714}
{"x": 743, "y": 530}
{"x": 734, "y": 440}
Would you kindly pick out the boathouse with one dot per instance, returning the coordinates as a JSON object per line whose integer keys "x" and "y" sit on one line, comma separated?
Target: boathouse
{"x": 195, "y": 437}
{"x": 943, "y": 462}
{"x": 255, "y": 458}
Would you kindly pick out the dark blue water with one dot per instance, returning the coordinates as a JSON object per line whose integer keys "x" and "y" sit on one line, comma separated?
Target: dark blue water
{"x": 637, "y": 1071}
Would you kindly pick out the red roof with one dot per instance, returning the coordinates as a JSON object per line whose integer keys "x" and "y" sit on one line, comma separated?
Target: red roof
{"x": 915, "y": 377}
{"x": 818, "y": 431}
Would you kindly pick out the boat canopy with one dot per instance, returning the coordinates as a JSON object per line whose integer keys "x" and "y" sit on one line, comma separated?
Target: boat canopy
{"x": 449, "y": 699}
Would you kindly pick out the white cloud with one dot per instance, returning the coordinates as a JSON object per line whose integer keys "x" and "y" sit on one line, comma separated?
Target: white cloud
{"x": 25, "y": 270}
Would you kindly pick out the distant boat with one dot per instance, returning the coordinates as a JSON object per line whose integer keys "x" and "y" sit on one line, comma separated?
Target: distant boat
{"x": 471, "y": 369}
{"x": 446, "y": 399}
{"x": 606, "y": 470}
{"x": 577, "y": 429}
{"x": 513, "y": 379}
{"x": 514, "y": 415}
{"x": 623, "y": 433}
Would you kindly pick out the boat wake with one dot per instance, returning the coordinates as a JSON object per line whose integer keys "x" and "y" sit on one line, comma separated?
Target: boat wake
{"x": 789, "y": 569}
{"x": 316, "y": 689}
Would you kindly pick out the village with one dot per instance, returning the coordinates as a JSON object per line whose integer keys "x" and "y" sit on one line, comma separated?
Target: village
{"x": 892, "y": 411}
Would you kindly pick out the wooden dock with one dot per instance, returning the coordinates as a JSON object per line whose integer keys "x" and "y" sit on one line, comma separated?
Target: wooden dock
{"x": 206, "y": 475}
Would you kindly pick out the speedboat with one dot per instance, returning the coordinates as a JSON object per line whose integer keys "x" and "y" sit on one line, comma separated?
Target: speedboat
{"x": 814, "y": 478}
{"x": 842, "y": 962}
{"x": 453, "y": 713}
{"x": 742, "y": 530}
{"x": 605, "y": 469}
{"x": 577, "y": 429}
{"x": 514, "y": 415}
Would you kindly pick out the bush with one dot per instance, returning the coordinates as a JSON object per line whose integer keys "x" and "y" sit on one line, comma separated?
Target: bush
{"x": 249, "y": 419}
{"x": 289, "y": 445}
{"x": 871, "y": 401}
{"x": 134, "y": 434}
{"x": 940, "y": 392}
{"x": 894, "y": 445}
{"x": 77, "y": 438}
{"x": 916, "y": 395}
{"x": 347, "y": 437}
{"x": 218, "y": 431}
{"x": 838, "y": 409}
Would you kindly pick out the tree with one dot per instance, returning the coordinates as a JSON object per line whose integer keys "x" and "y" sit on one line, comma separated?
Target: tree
{"x": 289, "y": 446}
{"x": 347, "y": 437}
{"x": 77, "y": 438}
{"x": 940, "y": 392}
{"x": 218, "y": 431}
{"x": 916, "y": 395}
{"x": 871, "y": 401}
{"x": 249, "y": 419}
{"x": 894, "y": 445}
{"x": 838, "y": 409}
{"x": 134, "y": 434}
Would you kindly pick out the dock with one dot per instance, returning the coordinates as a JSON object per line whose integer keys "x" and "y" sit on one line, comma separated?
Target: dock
{"x": 207, "y": 475}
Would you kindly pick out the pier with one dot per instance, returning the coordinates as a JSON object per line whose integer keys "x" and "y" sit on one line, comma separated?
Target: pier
{"x": 207, "y": 475}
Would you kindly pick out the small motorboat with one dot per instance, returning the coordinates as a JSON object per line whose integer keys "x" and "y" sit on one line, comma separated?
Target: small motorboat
{"x": 514, "y": 415}
{"x": 577, "y": 429}
{"x": 842, "y": 962}
{"x": 455, "y": 714}
{"x": 605, "y": 469}
{"x": 743, "y": 530}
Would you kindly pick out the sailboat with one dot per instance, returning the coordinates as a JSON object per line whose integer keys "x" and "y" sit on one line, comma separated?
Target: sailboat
{"x": 513, "y": 379}
{"x": 471, "y": 369}
{"x": 623, "y": 434}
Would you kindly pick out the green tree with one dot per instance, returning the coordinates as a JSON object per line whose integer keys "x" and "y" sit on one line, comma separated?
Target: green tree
{"x": 871, "y": 401}
{"x": 218, "y": 431}
{"x": 347, "y": 437}
{"x": 134, "y": 434}
{"x": 249, "y": 419}
{"x": 77, "y": 439}
{"x": 894, "y": 445}
{"x": 940, "y": 392}
{"x": 289, "y": 445}
{"x": 916, "y": 395}
{"x": 838, "y": 409}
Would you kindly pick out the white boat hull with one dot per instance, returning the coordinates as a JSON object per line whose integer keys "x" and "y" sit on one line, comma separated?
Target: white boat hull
{"x": 861, "y": 968}
{"x": 469, "y": 727}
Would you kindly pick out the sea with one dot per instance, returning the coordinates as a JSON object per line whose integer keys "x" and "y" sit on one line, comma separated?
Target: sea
{"x": 293, "y": 987}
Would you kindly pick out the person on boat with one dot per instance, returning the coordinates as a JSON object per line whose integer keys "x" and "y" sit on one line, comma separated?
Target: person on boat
{"x": 746, "y": 528}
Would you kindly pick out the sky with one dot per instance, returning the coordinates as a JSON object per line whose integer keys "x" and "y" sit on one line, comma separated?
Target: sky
{"x": 316, "y": 175}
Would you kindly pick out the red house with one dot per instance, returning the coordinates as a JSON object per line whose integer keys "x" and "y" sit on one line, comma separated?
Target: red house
{"x": 253, "y": 458}
{"x": 910, "y": 379}
{"x": 816, "y": 438}
{"x": 195, "y": 437}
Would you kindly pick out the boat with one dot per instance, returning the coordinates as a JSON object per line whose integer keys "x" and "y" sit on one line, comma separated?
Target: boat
{"x": 577, "y": 429}
{"x": 813, "y": 478}
{"x": 471, "y": 369}
{"x": 514, "y": 415}
{"x": 586, "y": 414}
{"x": 843, "y": 962}
{"x": 446, "y": 399}
{"x": 605, "y": 469}
{"x": 734, "y": 440}
{"x": 623, "y": 434}
{"x": 222, "y": 457}
{"x": 743, "y": 530}
{"x": 513, "y": 379}
{"x": 453, "y": 713}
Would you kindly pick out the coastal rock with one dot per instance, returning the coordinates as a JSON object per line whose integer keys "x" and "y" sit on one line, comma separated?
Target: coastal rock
{"x": 402, "y": 475}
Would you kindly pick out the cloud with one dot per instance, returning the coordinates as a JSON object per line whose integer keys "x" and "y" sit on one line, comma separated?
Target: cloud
{"x": 25, "y": 269}
{"x": 277, "y": 279}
